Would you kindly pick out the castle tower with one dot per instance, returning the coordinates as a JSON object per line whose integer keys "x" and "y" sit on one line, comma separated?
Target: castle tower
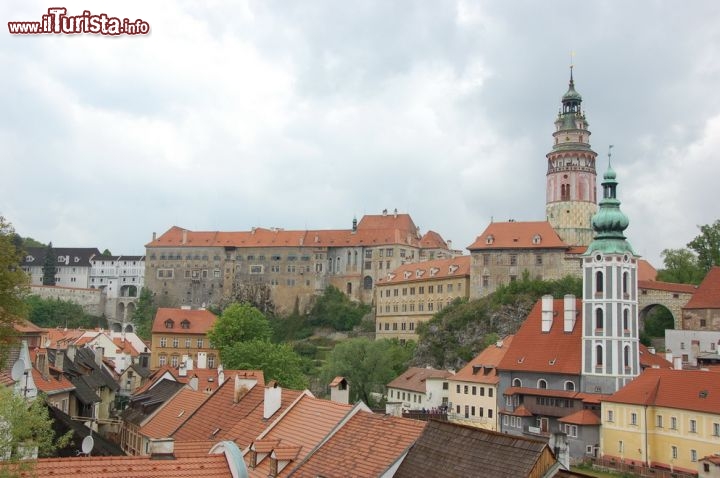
{"x": 610, "y": 354}
{"x": 571, "y": 193}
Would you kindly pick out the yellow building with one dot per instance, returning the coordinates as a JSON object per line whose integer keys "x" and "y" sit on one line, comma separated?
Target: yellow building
{"x": 473, "y": 390}
{"x": 182, "y": 332}
{"x": 664, "y": 419}
{"x": 412, "y": 293}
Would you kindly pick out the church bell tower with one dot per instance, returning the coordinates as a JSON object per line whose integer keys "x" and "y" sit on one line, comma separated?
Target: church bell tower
{"x": 571, "y": 195}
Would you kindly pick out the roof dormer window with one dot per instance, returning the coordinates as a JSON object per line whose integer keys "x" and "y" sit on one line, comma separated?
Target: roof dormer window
{"x": 434, "y": 271}
{"x": 490, "y": 239}
{"x": 169, "y": 324}
{"x": 453, "y": 268}
{"x": 536, "y": 239}
{"x": 185, "y": 324}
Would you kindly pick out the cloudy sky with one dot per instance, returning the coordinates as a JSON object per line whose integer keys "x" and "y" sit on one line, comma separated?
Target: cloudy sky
{"x": 303, "y": 114}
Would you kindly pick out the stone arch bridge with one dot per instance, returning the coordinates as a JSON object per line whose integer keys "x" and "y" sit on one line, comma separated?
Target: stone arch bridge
{"x": 667, "y": 294}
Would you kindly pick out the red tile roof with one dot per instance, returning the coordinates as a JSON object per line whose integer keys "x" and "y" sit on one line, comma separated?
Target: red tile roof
{"x": 667, "y": 286}
{"x": 207, "y": 466}
{"x": 483, "y": 368}
{"x": 648, "y": 359}
{"x": 646, "y": 271}
{"x": 433, "y": 240}
{"x": 125, "y": 346}
{"x": 551, "y": 352}
{"x": 200, "y": 321}
{"x": 24, "y": 326}
{"x": 413, "y": 379}
{"x": 305, "y": 425}
{"x": 173, "y": 413}
{"x": 51, "y": 385}
{"x": 520, "y": 411}
{"x": 581, "y": 417}
{"x": 337, "y": 381}
{"x": 371, "y": 230}
{"x": 707, "y": 295}
{"x": 208, "y": 380}
{"x": 367, "y": 444}
{"x": 695, "y": 390}
{"x": 421, "y": 271}
{"x": 518, "y": 235}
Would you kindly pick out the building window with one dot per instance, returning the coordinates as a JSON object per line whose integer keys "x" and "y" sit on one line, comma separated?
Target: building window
{"x": 486, "y": 281}
{"x": 176, "y": 342}
{"x": 199, "y": 343}
{"x": 716, "y": 429}
{"x": 174, "y": 360}
{"x": 626, "y": 321}
{"x": 538, "y": 259}
{"x": 465, "y": 389}
{"x": 674, "y": 452}
{"x": 610, "y": 416}
{"x": 599, "y": 319}
{"x": 542, "y": 384}
{"x": 517, "y": 382}
{"x": 693, "y": 426}
{"x": 474, "y": 390}
{"x": 169, "y": 324}
{"x": 457, "y": 388}
{"x": 163, "y": 342}
{"x": 513, "y": 259}
{"x": 185, "y": 324}
{"x": 211, "y": 361}
{"x": 621, "y": 446}
{"x": 673, "y": 423}
{"x": 163, "y": 360}
{"x": 626, "y": 356}
{"x": 367, "y": 283}
{"x": 659, "y": 421}
{"x": 633, "y": 418}
{"x": 188, "y": 343}
{"x": 598, "y": 282}
{"x": 693, "y": 456}
{"x": 569, "y": 385}
{"x": 598, "y": 355}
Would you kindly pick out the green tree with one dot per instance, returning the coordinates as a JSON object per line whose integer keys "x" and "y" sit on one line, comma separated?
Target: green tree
{"x": 707, "y": 246}
{"x": 681, "y": 266}
{"x": 144, "y": 314}
{"x": 106, "y": 253}
{"x": 13, "y": 285}
{"x": 335, "y": 309}
{"x": 49, "y": 267}
{"x": 657, "y": 321}
{"x": 58, "y": 313}
{"x": 368, "y": 365}
{"x": 239, "y": 323}
{"x": 277, "y": 361}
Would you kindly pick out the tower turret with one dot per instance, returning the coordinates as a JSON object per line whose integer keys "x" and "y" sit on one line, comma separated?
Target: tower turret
{"x": 611, "y": 353}
{"x": 571, "y": 193}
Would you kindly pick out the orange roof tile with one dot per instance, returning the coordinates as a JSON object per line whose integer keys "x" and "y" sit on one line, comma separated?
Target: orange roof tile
{"x": 173, "y": 413}
{"x": 367, "y": 444}
{"x": 581, "y": 417}
{"x": 421, "y": 271}
{"x": 520, "y": 411}
{"x": 193, "y": 448}
{"x": 551, "y": 352}
{"x": 648, "y": 359}
{"x": 337, "y": 381}
{"x": 433, "y": 240}
{"x": 518, "y": 235}
{"x": 577, "y": 250}
{"x": 207, "y": 466}
{"x": 25, "y": 326}
{"x": 667, "y": 286}
{"x": 61, "y": 338}
{"x": 707, "y": 295}
{"x": 483, "y": 368}
{"x": 413, "y": 379}
{"x": 51, "y": 385}
{"x": 304, "y": 425}
{"x": 125, "y": 346}
{"x": 646, "y": 271}
{"x": 696, "y": 390}
{"x": 198, "y": 321}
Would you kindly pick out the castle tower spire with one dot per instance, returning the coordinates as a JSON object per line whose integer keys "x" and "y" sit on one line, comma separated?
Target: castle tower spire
{"x": 611, "y": 353}
{"x": 571, "y": 195}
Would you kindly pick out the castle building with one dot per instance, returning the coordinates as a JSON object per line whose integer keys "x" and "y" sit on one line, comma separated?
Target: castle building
{"x": 571, "y": 192}
{"x": 286, "y": 268}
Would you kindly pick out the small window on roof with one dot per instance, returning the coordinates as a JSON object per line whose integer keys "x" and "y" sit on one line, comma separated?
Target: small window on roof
{"x": 490, "y": 239}
{"x": 536, "y": 239}
{"x": 169, "y": 324}
{"x": 185, "y": 324}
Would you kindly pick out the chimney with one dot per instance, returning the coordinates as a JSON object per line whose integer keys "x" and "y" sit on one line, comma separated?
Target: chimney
{"x": 59, "y": 359}
{"x": 194, "y": 382}
{"x": 70, "y": 352}
{"x": 384, "y": 212}
{"x": 184, "y": 236}
{"x": 182, "y": 370}
{"x": 677, "y": 363}
{"x": 98, "y": 351}
{"x": 339, "y": 390}
{"x": 242, "y": 387}
{"x": 561, "y": 448}
{"x": 669, "y": 356}
{"x": 354, "y": 225}
{"x": 395, "y": 213}
{"x": 651, "y": 350}
{"x": 221, "y": 375}
{"x": 162, "y": 448}
{"x": 449, "y": 244}
{"x": 547, "y": 313}
{"x": 202, "y": 360}
{"x": 570, "y": 313}
{"x": 154, "y": 236}
{"x": 272, "y": 401}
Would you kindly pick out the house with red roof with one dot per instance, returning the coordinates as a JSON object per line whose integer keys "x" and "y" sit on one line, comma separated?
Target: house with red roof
{"x": 414, "y": 292}
{"x": 418, "y": 389}
{"x": 702, "y": 312}
{"x": 179, "y": 335}
{"x": 664, "y": 419}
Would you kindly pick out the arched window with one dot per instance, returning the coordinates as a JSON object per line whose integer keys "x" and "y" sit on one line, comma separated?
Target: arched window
{"x": 626, "y": 319}
{"x": 517, "y": 382}
{"x": 599, "y": 322}
{"x": 625, "y": 283}
{"x": 570, "y": 385}
{"x": 367, "y": 283}
{"x": 542, "y": 383}
{"x": 598, "y": 355}
{"x": 626, "y": 356}
{"x": 599, "y": 282}
{"x": 348, "y": 288}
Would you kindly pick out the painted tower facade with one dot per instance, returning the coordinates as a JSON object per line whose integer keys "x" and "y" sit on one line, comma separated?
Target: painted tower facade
{"x": 571, "y": 195}
{"x": 610, "y": 355}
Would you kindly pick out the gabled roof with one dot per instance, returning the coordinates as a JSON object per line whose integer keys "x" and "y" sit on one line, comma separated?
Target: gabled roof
{"x": 208, "y": 378}
{"x": 198, "y": 321}
{"x": 707, "y": 295}
{"x": 144, "y": 404}
{"x": 581, "y": 417}
{"x": 368, "y": 444}
{"x": 483, "y": 368}
{"x": 646, "y": 271}
{"x": 555, "y": 351}
{"x": 64, "y": 256}
{"x": 414, "y": 378}
{"x": 653, "y": 360}
{"x": 51, "y": 385}
{"x": 428, "y": 270}
{"x": 433, "y": 240}
{"x": 304, "y": 425}
{"x": 220, "y": 418}
{"x": 518, "y": 235}
{"x": 451, "y": 450}
{"x": 62, "y": 423}
{"x": 173, "y": 413}
{"x": 695, "y": 390}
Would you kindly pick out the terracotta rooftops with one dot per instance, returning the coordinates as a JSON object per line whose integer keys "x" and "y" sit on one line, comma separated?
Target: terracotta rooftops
{"x": 413, "y": 379}
{"x": 696, "y": 390}
{"x": 707, "y": 295}
{"x": 51, "y": 385}
{"x": 518, "y": 235}
{"x": 368, "y": 444}
{"x": 646, "y": 271}
{"x": 581, "y": 417}
{"x": 183, "y": 321}
{"x": 555, "y": 351}
{"x": 648, "y": 359}
{"x": 433, "y": 240}
{"x": 371, "y": 230}
{"x": 667, "y": 286}
{"x": 483, "y": 368}
{"x": 428, "y": 270}
{"x": 173, "y": 413}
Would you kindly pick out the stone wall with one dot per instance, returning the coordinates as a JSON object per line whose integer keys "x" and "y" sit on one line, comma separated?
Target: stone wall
{"x": 91, "y": 300}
